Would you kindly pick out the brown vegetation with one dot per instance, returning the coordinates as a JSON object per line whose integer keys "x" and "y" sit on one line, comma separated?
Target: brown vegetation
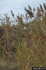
{"x": 27, "y": 45}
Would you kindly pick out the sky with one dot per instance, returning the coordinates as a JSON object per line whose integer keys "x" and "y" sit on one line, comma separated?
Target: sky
{"x": 17, "y": 6}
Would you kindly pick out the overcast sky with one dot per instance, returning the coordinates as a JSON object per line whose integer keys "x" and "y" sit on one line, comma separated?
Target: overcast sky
{"x": 17, "y": 6}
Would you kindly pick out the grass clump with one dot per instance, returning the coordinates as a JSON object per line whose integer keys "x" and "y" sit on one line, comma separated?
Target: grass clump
{"x": 27, "y": 45}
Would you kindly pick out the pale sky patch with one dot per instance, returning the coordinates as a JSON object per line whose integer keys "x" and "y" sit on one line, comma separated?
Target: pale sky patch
{"x": 17, "y": 6}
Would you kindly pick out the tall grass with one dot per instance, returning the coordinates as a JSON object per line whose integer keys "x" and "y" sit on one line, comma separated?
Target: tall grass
{"x": 27, "y": 45}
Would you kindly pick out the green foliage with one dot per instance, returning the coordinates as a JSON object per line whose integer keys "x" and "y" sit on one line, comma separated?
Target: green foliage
{"x": 20, "y": 46}
{"x": 1, "y": 68}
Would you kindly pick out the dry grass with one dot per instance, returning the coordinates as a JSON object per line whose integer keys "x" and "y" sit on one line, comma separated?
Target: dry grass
{"x": 22, "y": 49}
